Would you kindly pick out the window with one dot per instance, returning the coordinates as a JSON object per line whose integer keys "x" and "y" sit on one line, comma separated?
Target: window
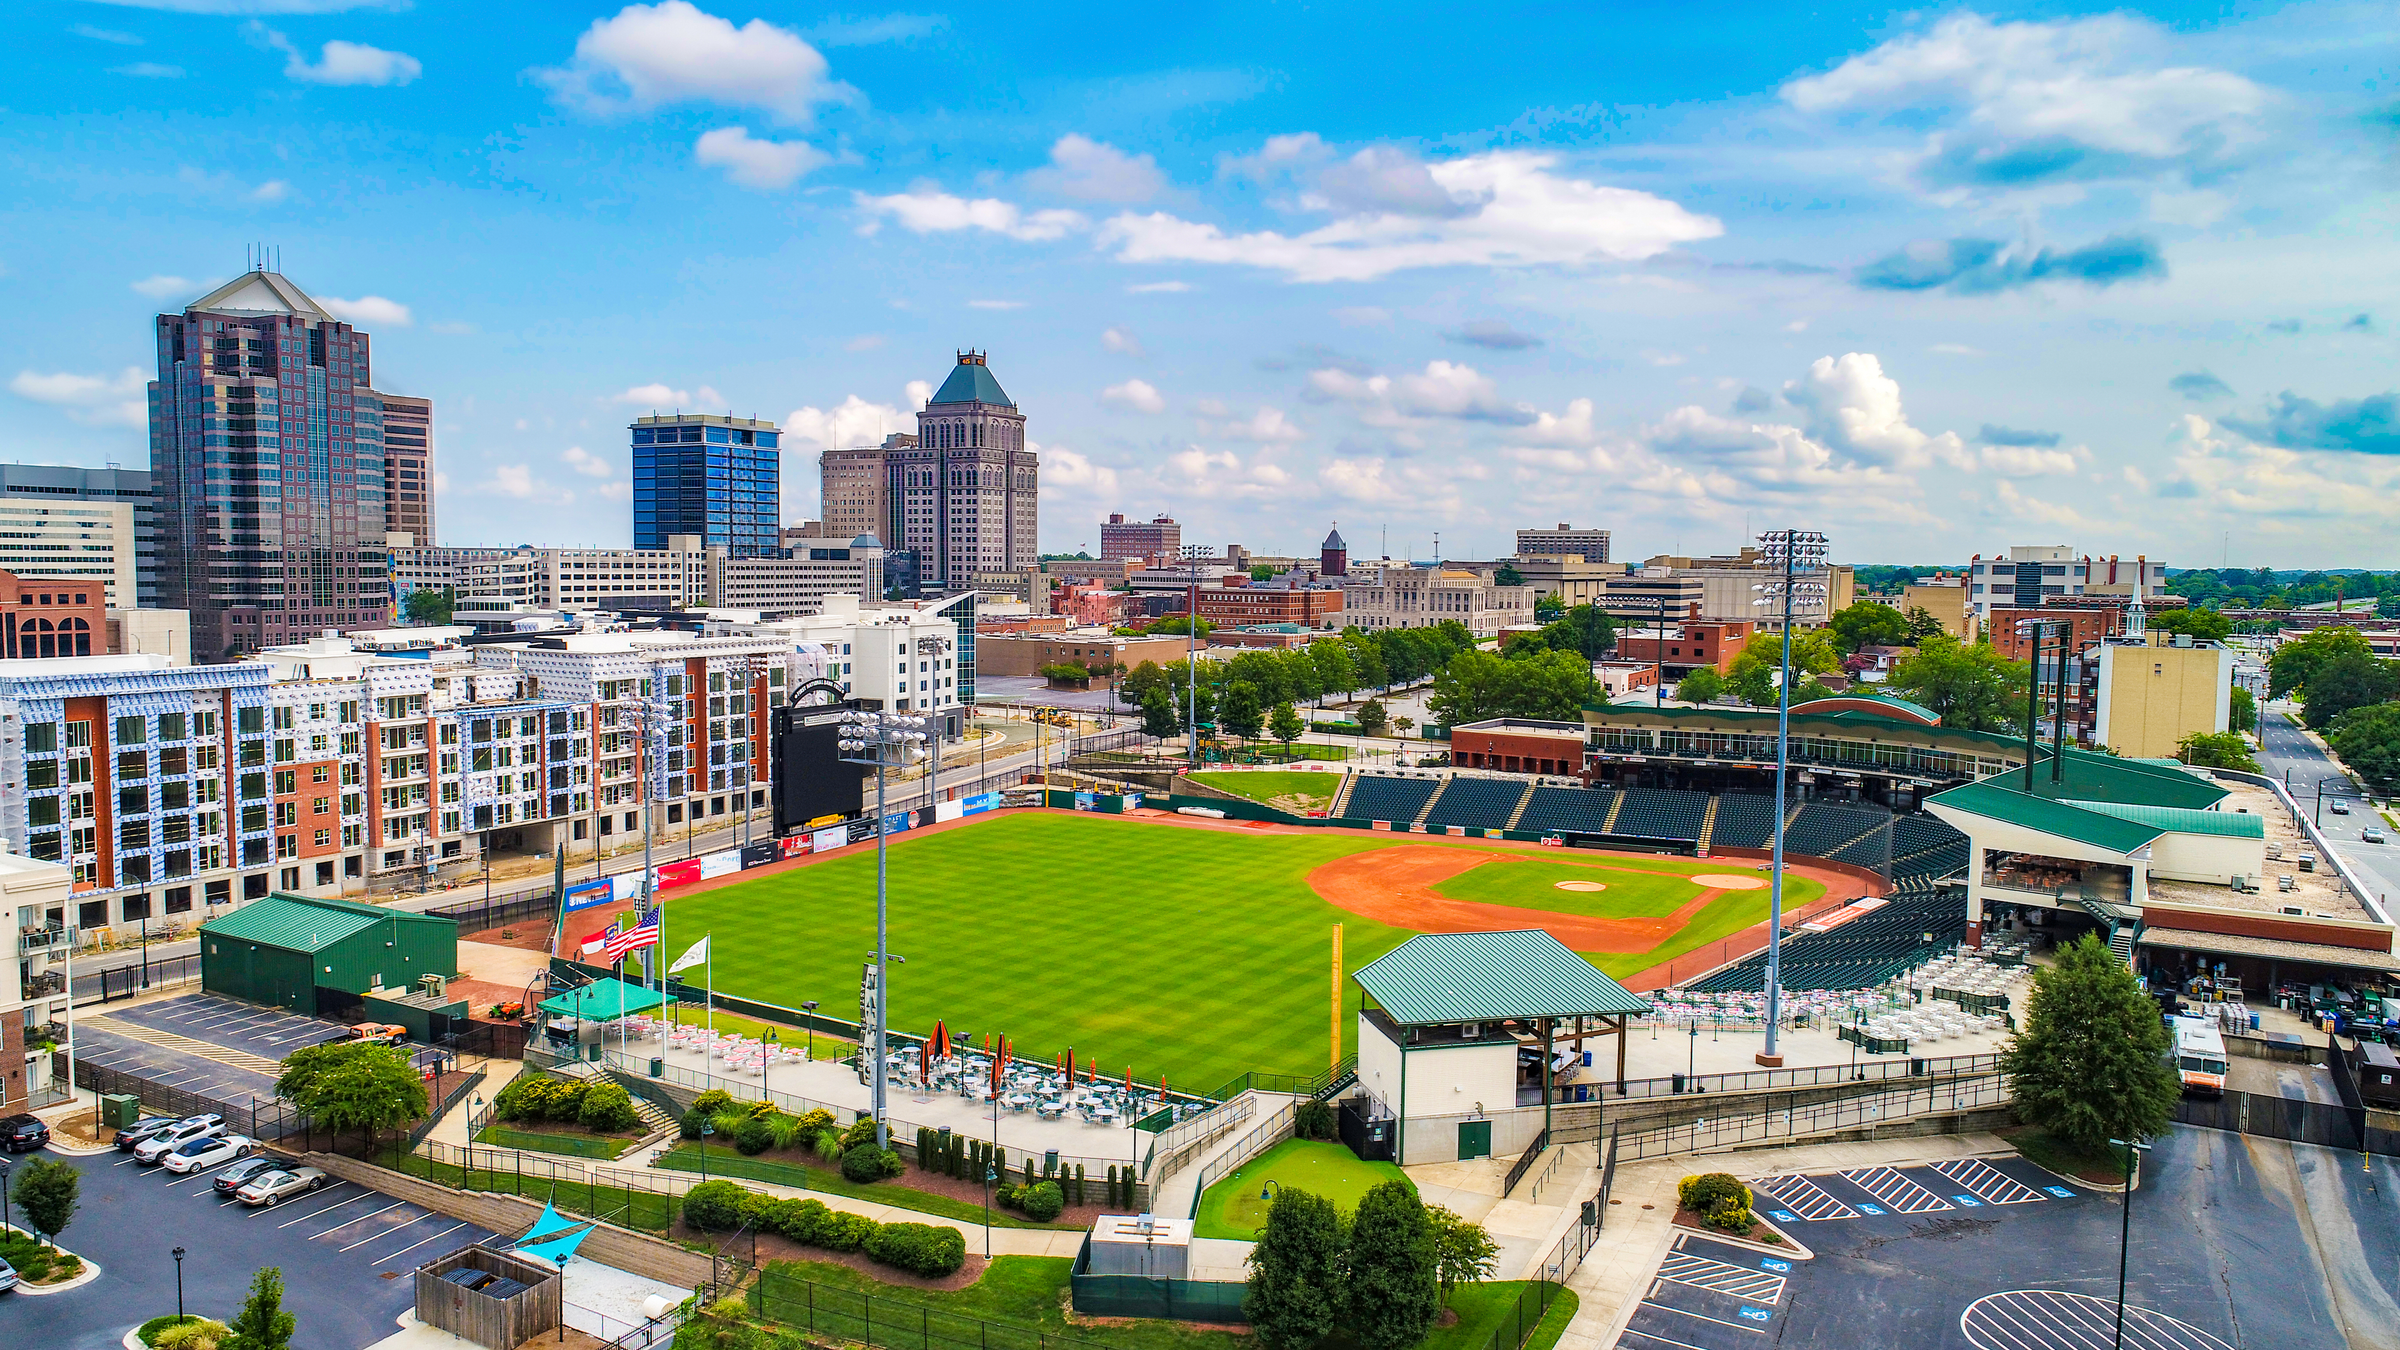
{"x": 287, "y": 813}
{"x": 41, "y": 738}
{"x": 250, "y": 721}
{"x": 79, "y": 735}
{"x": 129, "y": 731}
{"x": 133, "y": 801}
{"x": 133, "y": 764}
{"x": 324, "y": 838}
{"x": 287, "y": 781}
{"x": 41, "y": 773}
{"x": 171, "y": 728}
{"x": 179, "y": 899}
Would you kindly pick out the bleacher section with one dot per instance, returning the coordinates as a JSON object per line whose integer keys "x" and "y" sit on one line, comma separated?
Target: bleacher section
{"x": 1744, "y": 820}
{"x": 1926, "y": 846}
{"x": 1823, "y": 827}
{"x": 1394, "y": 799}
{"x": 1570, "y": 810}
{"x": 1653, "y": 813}
{"x": 1863, "y": 952}
{"x": 1476, "y": 803}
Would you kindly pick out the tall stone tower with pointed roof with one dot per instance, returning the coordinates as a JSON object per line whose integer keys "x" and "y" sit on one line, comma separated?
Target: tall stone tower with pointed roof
{"x": 1333, "y": 556}
{"x": 267, "y": 469}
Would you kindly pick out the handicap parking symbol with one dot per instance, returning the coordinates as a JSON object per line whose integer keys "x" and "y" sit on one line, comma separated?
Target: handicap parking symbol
{"x": 1782, "y": 1215}
{"x": 1756, "y": 1314}
{"x": 1870, "y": 1209}
{"x": 1968, "y": 1201}
{"x": 1771, "y": 1264}
{"x": 2060, "y": 1191}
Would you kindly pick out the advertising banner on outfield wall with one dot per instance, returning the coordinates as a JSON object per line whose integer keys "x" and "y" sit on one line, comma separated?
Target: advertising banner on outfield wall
{"x": 674, "y": 874}
{"x": 759, "y": 855}
{"x": 826, "y": 841}
{"x": 588, "y": 894}
{"x": 979, "y": 803}
{"x": 1087, "y": 801}
{"x": 897, "y": 821}
{"x": 861, "y": 831}
{"x": 948, "y": 811}
{"x": 720, "y": 864}
{"x": 795, "y": 844}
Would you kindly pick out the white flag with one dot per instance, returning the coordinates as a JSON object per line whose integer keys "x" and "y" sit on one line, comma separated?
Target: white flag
{"x": 696, "y": 955}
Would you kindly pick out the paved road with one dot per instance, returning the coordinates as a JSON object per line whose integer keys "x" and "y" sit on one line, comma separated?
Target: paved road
{"x": 2289, "y": 753}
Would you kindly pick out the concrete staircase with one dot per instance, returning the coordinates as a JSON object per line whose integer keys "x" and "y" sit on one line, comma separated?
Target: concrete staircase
{"x": 654, "y": 1117}
{"x": 1341, "y": 797}
{"x": 1523, "y": 801}
{"x": 1708, "y": 825}
{"x": 1615, "y": 809}
{"x": 1427, "y": 808}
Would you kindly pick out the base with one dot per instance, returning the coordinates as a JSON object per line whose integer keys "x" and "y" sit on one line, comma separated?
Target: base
{"x": 1769, "y": 1061}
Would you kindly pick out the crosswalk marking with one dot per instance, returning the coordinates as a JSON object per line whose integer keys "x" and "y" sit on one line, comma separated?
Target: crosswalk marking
{"x": 1896, "y": 1191}
{"x": 1805, "y": 1198}
{"x": 1758, "y": 1286}
{"x": 1987, "y": 1181}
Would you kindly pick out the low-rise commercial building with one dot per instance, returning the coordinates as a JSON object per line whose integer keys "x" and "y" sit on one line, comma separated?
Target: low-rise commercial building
{"x": 1588, "y": 545}
{"x": 2030, "y": 577}
{"x": 1387, "y": 594}
{"x": 1246, "y": 603}
{"x": 1091, "y": 648}
{"x": 1688, "y": 646}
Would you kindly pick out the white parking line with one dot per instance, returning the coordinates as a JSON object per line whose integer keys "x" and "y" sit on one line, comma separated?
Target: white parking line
{"x": 1662, "y": 1340}
{"x": 1896, "y": 1191}
{"x": 1987, "y": 1181}
{"x": 1718, "y": 1277}
{"x": 327, "y": 1210}
{"x": 421, "y": 1242}
{"x": 1667, "y": 1307}
{"x": 1803, "y": 1197}
{"x": 377, "y": 1237}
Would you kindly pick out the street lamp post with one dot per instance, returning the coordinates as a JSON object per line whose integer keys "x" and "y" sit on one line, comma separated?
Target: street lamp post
{"x": 708, "y": 1128}
{"x": 4, "y": 1169}
{"x": 774, "y": 1040}
{"x": 990, "y": 1175}
{"x": 810, "y": 1007}
{"x": 178, "y": 1254}
{"x": 2134, "y": 1150}
{"x": 886, "y": 741}
{"x": 2320, "y": 810}
{"x": 1789, "y": 552}
{"x": 1192, "y": 553}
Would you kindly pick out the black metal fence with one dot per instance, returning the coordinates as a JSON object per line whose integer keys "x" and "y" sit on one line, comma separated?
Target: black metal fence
{"x": 474, "y": 916}
{"x": 268, "y": 1120}
{"x": 1874, "y": 1070}
{"x": 2302, "y": 1122}
{"x": 119, "y": 982}
{"x": 1525, "y": 1162}
{"x": 644, "y": 1200}
{"x": 1757, "y": 1119}
{"x": 1516, "y": 1326}
{"x": 896, "y": 1323}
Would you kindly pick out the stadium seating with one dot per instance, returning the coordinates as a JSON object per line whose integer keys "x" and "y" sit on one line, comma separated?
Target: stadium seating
{"x": 1823, "y": 827}
{"x": 1744, "y": 820}
{"x": 1926, "y": 846}
{"x": 1652, "y": 813}
{"x": 1377, "y": 797}
{"x": 1571, "y": 810}
{"x": 1477, "y": 803}
{"x": 1863, "y": 952}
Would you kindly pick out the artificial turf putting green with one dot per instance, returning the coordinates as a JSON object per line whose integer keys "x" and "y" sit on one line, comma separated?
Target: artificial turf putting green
{"x": 1296, "y": 791}
{"x": 1231, "y": 1208}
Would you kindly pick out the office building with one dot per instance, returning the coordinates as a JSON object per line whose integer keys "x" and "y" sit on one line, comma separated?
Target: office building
{"x": 1729, "y": 588}
{"x": 801, "y": 578}
{"x": 407, "y": 469}
{"x": 1234, "y": 606}
{"x": 718, "y": 479}
{"x": 1565, "y": 541}
{"x": 905, "y": 656}
{"x": 44, "y": 617}
{"x": 1944, "y": 596}
{"x": 2033, "y": 576}
{"x": 2151, "y": 691}
{"x": 960, "y": 497}
{"x": 1159, "y": 537}
{"x": 1387, "y": 594}
{"x": 853, "y": 489}
{"x": 266, "y": 464}
{"x": 58, "y": 520}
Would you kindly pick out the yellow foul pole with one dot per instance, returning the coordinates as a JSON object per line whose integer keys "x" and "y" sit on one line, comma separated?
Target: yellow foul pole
{"x": 1334, "y": 1054}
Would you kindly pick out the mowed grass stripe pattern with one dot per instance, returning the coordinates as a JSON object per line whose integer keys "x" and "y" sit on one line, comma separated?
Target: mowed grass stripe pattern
{"x": 1193, "y": 953}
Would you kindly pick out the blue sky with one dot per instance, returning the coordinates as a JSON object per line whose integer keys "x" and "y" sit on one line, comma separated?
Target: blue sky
{"x": 1934, "y": 281}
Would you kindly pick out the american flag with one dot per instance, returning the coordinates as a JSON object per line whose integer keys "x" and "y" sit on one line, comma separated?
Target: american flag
{"x": 622, "y": 940}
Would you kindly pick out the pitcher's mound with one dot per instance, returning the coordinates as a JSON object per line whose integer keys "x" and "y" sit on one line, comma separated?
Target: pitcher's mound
{"x": 1730, "y": 881}
{"x": 1580, "y": 885}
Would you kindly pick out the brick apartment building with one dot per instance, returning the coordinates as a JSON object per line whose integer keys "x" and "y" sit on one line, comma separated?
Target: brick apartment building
{"x": 1239, "y": 606}
{"x": 1689, "y": 645}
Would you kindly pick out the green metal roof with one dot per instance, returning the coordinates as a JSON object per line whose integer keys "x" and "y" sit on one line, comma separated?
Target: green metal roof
{"x": 1436, "y": 978}
{"x": 603, "y": 999}
{"x": 296, "y": 923}
{"x": 2011, "y": 805}
{"x": 2183, "y": 820}
{"x": 972, "y": 382}
{"x": 2094, "y": 777}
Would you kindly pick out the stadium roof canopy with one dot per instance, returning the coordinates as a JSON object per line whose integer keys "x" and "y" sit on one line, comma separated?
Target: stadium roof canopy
{"x": 1435, "y": 979}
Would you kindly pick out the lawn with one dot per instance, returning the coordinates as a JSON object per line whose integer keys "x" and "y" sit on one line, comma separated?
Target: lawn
{"x": 1231, "y": 1208}
{"x": 725, "y": 1162}
{"x": 572, "y": 1142}
{"x": 1637, "y": 888}
{"x": 1294, "y": 791}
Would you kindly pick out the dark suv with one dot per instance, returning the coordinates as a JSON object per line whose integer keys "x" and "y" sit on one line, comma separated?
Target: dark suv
{"x": 20, "y": 1134}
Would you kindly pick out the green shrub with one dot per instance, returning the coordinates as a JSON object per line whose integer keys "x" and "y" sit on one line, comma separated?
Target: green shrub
{"x": 866, "y": 1163}
{"x": 756, "y": 1134}
{"x": 607, "y": 1106}
{"x": 712, "y": 1101}
{"x": 827, "y": 1145}
{"x": 1076, "y": 1192}
{"x": 843, "y": 1231}
{"x": 693, "y": 1120}
{"x": 196, "y": 1333}
{"x": 1730, "y": 1218}
{"x": 716, "y": 1206}
{"x": 815, "y": 1120}
{"x": 564, "y": 1099}
{"x": 1710, "y": 1190}
{"x": 861, "y": 1131}
{"x": 1313, "y": 1120}
{"x": 797, "y": 1219}
{"x": 918, "y": 1248}
{"x": 1042, "y": 1201}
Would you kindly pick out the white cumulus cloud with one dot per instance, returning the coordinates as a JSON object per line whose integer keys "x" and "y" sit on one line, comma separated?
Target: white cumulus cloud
{"x": 1095, "y": 171}
{"x": 931, "y": 211}
{"x": 1136, "y": 395}
{"x": 754, "y": 162}
{"x": 160, "y": 287}
{"x": 369, "y": 310}
{"x": 648, "y": 56}
{"x": 1121, "y": 340}
{"x": 656, "y": 395}
{"x": 119, "y": 400}
{"x": 585, "y": 462}
{"x": 854, "y": 422}
{"x": 340, "y": 62}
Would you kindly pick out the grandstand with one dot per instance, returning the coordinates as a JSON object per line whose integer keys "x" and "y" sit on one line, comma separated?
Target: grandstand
{"x": 1565, "y": 810}
{"x": 1862, "y": 953}
{"x": 1744, "y": 820}
{"x": 1653, "y": 813}
{"x": 1381, "y": 797}
{"x": 1477, "y": 803}
{"x": 1927, "y": 846}
{"x": 1821, "y": 829}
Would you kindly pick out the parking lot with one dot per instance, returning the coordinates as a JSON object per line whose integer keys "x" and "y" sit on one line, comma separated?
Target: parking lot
{"x": 345, "y": 1252}
{"x": 203, "y": 1043}
{"x": 1998, "y": 1254}
{"x": 247, "y": 1027}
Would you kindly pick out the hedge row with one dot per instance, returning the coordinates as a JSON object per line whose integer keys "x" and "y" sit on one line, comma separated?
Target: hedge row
{"x": 919, "y": 1248}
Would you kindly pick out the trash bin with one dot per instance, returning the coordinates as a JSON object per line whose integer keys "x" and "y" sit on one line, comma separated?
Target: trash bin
{"x": 120, "y": 1110}
{"x": 1678, "y": 1081}
{"x": 658, "y": 1066}
{"x": 2254, "y": 1021}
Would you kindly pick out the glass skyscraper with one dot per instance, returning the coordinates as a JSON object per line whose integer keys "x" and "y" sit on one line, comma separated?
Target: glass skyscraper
{"x": 717, "y": 478}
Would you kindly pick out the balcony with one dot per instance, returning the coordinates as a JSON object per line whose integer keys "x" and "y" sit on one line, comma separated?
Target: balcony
{"x": 47, "y": 985}
{"x": 42, "y": 940}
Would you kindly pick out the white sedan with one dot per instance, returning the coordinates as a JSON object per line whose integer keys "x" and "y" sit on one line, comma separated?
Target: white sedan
{"x": 198, "y": 1155}
{"x": 159, "y": 1145}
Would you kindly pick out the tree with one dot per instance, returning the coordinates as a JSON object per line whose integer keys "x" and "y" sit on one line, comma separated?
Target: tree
{"x": 1241, "y": 713}
{"x": 47, "y": 1191}
{"x": 430, "y": 605}
{"x": 1402, "y": 724}
{"x": 2297, "y": 662}
{"x": 353, "y": 1085}
{"x": 262, "y": 1324}
{"x": 1868, "y": 624}
{"x": 1547, "y": 608}
{"x": 1476, "y": 685}
{"x": 1921, "y": 624}
{"x": 1261, "y": 571}
{"x": 1372, "y": 718}
{"x": 1585, "y": 630}
{"x": 1177, "y": 625}
{"x": 1753, "y": 672}
{"x": 2204, "y": 625}
{"x": 1295, "y": 1294}
{"x": 2216, "y": 750}
{"x": 1284, "y": 724}
{"x": 1395, "y": 1288}
{"x": 1703, "y": 685}
{"x": 1507, "y": 575}
{"x": 1462, "y": 1252}
{"x": 1337, "y": 667}
{"x": 2091, "y": 1063}
{"x": 1140, "y": 681}
{"x": 1158, "y": 715}
{"x": 2368, "y": 740}
{"x": 1971, "y": 685}
{"x": 1066, "y": 673}
{"x": 2345, "y": 682}
{"x": 2243, "y": 716}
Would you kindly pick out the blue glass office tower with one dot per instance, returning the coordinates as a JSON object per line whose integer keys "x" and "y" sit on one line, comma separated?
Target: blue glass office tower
{"x": 719, "y": 478}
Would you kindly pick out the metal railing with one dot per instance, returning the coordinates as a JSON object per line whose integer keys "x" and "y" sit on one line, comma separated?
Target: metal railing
{"x": 828, "y": 1312}
{"x": 1726, "y": 1129}
{"x": 1276, "y": 1128}
{"x": 1516, "y": 1327}
{"x": 1820, "y": 1076}
{"x": 117, "y": 982}
{"x": 1176, "y": 1146}
{"x": 268, "y": 1121}
{"x": 1525, "y": 1161}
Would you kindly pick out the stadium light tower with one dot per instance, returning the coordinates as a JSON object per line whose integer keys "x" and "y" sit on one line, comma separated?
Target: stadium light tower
{"x": 885, "y": 740}
{"x": 1790, "y": 553}
{"x": 650, "y": 718}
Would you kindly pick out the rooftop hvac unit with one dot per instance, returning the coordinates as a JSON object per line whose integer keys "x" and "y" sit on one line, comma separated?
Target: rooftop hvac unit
{"x": 2287, "y": 882}
{"x": 2294, "y": 910}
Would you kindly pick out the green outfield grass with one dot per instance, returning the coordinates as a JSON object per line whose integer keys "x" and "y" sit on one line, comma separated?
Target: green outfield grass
{"x": 1197, "y": 954}
{"x": 1295, "y": 791}
{"x": 1231, "y": 1208}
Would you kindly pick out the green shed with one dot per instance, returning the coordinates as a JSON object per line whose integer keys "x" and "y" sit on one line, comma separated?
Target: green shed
{"x": 319, "y": 956}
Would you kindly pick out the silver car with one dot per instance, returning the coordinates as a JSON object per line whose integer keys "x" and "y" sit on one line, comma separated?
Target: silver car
{"x": 273, "y": 1187}
{"x": 159, "y": 1145}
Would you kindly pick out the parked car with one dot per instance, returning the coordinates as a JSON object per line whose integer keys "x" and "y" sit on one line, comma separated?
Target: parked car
{"x": 8, "y": 1277}
{"x": 198, "y": 1155}
{"x": 274, "y": 1187}
{"x": 141, "y": 1132}
{"x": 21, "y": 1133}
{"x": 380, "y": 1033}
{"x": 233, "y": 1176}
{"x": 2371, "y": 835}
{"x": 156, "y": 1148}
